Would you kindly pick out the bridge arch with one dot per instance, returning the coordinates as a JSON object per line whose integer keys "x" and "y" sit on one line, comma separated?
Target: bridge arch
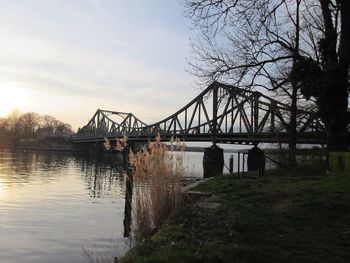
{"x": 220, "y": 113}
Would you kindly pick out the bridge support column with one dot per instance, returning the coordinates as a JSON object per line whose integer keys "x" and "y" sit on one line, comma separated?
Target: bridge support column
{"x": 213, "y": 161}
{"x": 256, "y": 160}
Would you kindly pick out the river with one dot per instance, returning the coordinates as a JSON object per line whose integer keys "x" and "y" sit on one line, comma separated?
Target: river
{"x": 64, "y": 207}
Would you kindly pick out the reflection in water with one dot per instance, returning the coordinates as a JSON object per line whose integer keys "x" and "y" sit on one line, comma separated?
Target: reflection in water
{"x": 101, "y": 176}
{"x": 53, "y": 204}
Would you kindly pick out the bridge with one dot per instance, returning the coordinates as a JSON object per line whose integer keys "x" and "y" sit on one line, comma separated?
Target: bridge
{"x": 221, "y": 113}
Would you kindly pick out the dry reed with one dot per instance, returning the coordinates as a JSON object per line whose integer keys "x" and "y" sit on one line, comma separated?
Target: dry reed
{"x": 120, "y": 144}
{"x": 159, "y": 193}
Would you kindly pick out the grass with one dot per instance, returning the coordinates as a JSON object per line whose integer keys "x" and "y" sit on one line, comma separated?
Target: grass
{"x": 297, "y": 215}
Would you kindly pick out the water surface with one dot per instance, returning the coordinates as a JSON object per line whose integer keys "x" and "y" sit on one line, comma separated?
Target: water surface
{"x": 56, "y": 205}
{"x": 52, "y": 205}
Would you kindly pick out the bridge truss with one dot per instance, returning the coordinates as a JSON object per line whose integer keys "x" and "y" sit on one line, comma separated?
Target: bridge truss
{"x": 220, "y": 113}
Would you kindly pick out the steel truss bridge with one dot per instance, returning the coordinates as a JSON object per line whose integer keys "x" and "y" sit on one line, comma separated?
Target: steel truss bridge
{"x": 221, "y": 113}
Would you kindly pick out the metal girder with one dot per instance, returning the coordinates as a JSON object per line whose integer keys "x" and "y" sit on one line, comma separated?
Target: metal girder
{"x": 219, "y": 111}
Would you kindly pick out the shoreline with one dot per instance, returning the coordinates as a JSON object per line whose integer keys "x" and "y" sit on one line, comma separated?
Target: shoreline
{"x": 290, "y": 215}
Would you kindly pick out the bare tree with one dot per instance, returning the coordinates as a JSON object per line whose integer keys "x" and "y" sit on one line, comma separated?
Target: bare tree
{"x": 30, "y": 125}
{"x": 13, "y": 125}
{"x": 29, "y": 122}
{"x": 278, "y": 45}
{"x": 13, "y": 120}
{"x": 63, "y": 129}
{"x": 5, "y": 135}
{"x": 48, "y": 124}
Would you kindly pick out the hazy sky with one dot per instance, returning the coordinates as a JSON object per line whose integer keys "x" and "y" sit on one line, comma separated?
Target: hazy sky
{"x": 68, "y": 58}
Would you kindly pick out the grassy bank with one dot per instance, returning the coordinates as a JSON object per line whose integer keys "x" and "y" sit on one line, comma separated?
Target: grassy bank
{"x": 287, "y": 216}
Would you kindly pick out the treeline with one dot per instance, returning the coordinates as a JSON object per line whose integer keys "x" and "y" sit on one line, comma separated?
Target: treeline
{"x": 18, "y": 127}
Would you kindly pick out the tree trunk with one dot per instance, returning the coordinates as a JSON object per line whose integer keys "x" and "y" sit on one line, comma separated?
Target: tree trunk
{"x": 334, "y": 91}
{"x": 293, "y": 115}
{"x": 336, "y": 115}
{"x": 293, "y": 127}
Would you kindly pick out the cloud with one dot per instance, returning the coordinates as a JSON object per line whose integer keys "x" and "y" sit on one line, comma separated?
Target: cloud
{"x": 96, "y": 52}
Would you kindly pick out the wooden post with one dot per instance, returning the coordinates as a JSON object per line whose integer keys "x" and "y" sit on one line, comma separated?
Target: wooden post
{"x": 231, "y": 164}
{"x": 243, "y": 165}
{"x": 126, "y": 152}
{"x": 238, "y": 164}
{"x": 128, "y": 204}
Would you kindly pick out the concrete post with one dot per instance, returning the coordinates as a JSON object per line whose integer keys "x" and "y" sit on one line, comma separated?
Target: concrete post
{"x": 256, "y": 160}
{"x": 213, "y": 161}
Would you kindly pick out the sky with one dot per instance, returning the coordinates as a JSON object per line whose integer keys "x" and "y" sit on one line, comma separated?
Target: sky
{"x": 67, "y": 58}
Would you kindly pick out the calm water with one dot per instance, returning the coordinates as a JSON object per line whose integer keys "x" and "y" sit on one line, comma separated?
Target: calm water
{"x": 53, "y": 206}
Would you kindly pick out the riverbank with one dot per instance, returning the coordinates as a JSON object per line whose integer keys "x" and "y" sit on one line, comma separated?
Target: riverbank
{"x": 287, "y": 216}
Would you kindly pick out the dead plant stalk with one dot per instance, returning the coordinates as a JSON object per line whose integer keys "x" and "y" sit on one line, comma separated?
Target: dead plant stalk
{"x": 159, "y": 193}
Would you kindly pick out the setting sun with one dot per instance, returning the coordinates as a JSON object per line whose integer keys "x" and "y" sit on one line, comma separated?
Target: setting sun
{"x": 12, "y": 97}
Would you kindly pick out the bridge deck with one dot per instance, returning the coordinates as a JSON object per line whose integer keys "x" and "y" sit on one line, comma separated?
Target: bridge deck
{"x": 238, "y": 138}
{"x": 221, "y": 113}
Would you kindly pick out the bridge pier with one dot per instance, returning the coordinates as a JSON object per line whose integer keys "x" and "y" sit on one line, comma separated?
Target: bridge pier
{"x": 213, "y": 161}
{"x": 256, "y": 160}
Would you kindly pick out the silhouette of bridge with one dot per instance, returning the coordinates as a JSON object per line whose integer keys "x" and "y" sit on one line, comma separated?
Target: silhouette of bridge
{"x": 221, "y": 113}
